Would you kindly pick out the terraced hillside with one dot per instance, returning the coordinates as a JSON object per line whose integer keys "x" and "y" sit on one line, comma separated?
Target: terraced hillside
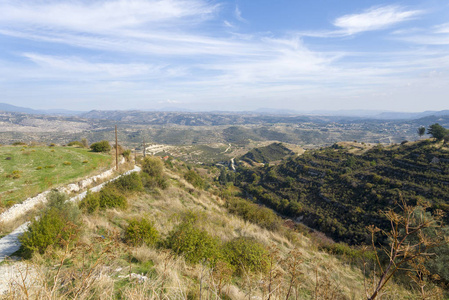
{"x": 340, "y": 193}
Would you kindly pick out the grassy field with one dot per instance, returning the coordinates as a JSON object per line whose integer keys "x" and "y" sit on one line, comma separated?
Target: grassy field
{"x": 26, "y": 171}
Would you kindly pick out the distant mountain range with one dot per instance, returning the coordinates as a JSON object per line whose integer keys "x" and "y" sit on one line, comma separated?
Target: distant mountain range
{"x": 18, "y": 109}
{"x": 362, "y": 114}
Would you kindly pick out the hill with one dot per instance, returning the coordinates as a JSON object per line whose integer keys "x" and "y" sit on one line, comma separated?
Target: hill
{"x": 170, "y": 233}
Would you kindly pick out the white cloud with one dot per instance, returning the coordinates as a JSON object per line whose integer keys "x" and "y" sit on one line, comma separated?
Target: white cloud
{"x": 99, "y": 16}
{"x": 375, "y": 18}
{"x": 238, "y": 15}
{"x": 443, "y": 28}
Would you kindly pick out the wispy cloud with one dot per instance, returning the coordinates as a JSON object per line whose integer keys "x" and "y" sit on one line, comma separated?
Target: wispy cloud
{"x": 238, "y": 15}
{"x": 371, "y": 19}
{"x": 375, "y": 18}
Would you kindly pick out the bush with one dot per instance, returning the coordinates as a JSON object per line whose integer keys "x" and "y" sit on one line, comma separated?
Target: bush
{"x": 127, "y": 154}
{"x": 254, "y": 213}
{"x": 141, "y": 232}
{"x": 66, "y": 163}
{"x": 194, "y": 178}
{"x": 19, "y": 144}
{"x": 154, "y": 182}
{"x": 102, "y": 146}
{"x": 108, "y": 197}
{"x": 56, "y": 225}
{"x": 76, "y": 144}
{"x": 128, "y": 183}
{"x": 246, "y": 254}
{"x": 196, "y": 245}
{"x": 152, "y": 166}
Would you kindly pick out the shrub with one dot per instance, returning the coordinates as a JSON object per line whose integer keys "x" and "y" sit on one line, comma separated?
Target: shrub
{"x": 154, "y": 182}
{"x": 196, "y": 245}
{"x": 52, "y": 145}
{"x": 127, "y": 154}
{"x": 76, "y": 144}
{"x": 152, "y": 173}
{"x": 85, "y": 161}
{"x": 194, "y": 178}
{"x": 108, "y": 197}
{"x": 131, "y": 183}
{"x": 19, "y": 144}
{"x": 39, "y": 168}
{"x": 141, "y": 232}
{"x": 66, "y": 163}
{"x": 102, "y": 146}
{"x": 254, "y": 213}
{"x": 246, "y": 254}
{"x": 56, "y": 225}
{"x": 152, "y": 166}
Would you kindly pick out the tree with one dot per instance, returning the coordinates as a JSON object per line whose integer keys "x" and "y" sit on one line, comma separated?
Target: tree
{"x": 421, "y": 131}
{"x": 102, "y": 146}
{"x": 413, "y": 236}
{"x": 437, "y": 131}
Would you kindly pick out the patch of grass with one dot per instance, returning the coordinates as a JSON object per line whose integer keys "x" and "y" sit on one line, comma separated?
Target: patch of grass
{"x": 42, "y": 168}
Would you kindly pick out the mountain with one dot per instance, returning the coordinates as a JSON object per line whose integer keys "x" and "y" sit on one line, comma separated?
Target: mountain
{"x": 18, "y": 109}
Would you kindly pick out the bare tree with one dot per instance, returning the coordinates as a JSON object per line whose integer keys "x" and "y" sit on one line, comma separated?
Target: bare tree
{"x": 414, "y": 233}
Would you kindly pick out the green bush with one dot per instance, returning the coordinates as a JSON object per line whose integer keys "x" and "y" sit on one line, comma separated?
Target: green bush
{"x": 246, "y": 254}
{"x": 76, "y": 144}
{"x": 128, "y": 183}
{"x": 196, "y": 245}
{"x": 66, "y": 163}
{"x": 254, "y": 213}
{"x": 127, "y": 154}
{"x": 102, "y": 146}
{"x": 56, "y": 225}
{"x": 19, "y": 144}
{"x": 141, "y": 232}
{"x": 152, "y": 166}
{"x": 194, "y": 179}
{"x": 108, "y": 197}
{"x": 150, "y": 182}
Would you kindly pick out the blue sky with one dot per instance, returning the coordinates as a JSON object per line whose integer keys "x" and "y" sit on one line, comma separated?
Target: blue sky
{"x": 225, "y": 55}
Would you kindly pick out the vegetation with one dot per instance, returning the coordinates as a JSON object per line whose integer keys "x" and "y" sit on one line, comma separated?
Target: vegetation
{"x": 141, "y": 232}
{"x": 102, "y": 146}
{"x": 272, "y": 152}
{"x": 195, "y": 179}
{"x": 57, "y": 225}
{"x": 108, "y": 197}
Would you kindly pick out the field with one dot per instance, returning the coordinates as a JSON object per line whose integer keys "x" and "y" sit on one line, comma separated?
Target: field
{"x": 26, "y": 171}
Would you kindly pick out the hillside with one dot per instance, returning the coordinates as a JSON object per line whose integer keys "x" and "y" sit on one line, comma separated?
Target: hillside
{"x": 340, "y": 193}
{"x": 169, "y": 233}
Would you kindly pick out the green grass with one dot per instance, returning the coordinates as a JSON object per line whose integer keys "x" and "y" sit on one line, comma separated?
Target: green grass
{"x": 27, "y": 171}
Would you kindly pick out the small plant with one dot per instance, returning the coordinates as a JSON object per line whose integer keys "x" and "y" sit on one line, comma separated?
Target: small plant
{"x": 19, "y": 144}
{"x": 39, "y": 168}
{"x": 52, "y": 145}
{"x": 128, "y": 183}
{"x": 85, "y": 161}
{"x": 247, "y": 253}
{"x": 127, "y": 154}
{"x": 141, "y": 232}
{"x": 76, "y": 144}
{"x": 66, "y": 163}
{"x": 108, "y": 197}
{"x": 52, "y": 150}
{"x": 196, "y": 245}
{"x": 14, "y": 174}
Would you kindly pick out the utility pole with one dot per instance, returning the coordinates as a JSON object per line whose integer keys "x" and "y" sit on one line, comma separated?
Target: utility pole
{"x": 143, "y": 141}
{"x": 116, "y": 149}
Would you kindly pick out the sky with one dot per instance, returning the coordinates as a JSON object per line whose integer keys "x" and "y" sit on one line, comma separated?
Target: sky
{"x": 207, "y": 55}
